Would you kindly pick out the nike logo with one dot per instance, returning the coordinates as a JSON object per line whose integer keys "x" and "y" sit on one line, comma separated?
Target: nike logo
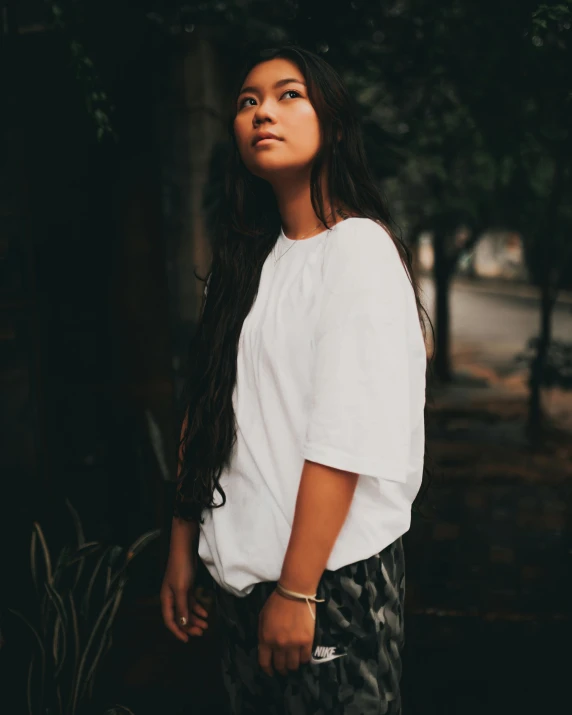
{"x": 323, "y": 653}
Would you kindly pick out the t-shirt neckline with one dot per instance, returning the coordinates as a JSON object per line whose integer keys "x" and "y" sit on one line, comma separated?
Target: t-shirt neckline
{"x": 290, "y": 241}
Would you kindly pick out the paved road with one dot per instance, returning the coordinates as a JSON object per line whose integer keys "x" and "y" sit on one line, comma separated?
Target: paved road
{"x": 495, "y": 326}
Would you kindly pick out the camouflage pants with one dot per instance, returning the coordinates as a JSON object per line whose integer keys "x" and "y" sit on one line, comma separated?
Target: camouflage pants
{"x": 357, "y": 645}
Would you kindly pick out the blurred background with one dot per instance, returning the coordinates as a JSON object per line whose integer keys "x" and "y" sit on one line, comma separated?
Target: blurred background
{"x": 112, "y": 139}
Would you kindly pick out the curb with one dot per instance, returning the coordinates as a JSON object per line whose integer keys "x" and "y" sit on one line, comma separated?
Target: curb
{"x": 510, "y": 290}
{"x": 514, "y": 290}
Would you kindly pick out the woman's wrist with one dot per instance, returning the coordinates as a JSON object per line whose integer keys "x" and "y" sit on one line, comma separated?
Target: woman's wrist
{"x": 296, "y": 595}
{"x": 184, "y": 534}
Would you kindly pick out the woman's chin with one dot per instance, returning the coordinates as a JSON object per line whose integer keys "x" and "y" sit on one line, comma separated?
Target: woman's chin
{"x": 267, "y": 167}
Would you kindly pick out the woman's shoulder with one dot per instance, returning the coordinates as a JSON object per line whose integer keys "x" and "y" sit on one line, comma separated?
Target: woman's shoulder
{"x": 364, "y": 235}
{"x": 365, "y": 248}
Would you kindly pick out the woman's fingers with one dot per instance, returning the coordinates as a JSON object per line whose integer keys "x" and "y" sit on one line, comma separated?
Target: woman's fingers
{"x": 198, "y": 609}
{"x": 181, "y": 609}
{"x": 265, "y": 658}
{"x": 198, "y": 614}
{"x": 196, "y": 622}
{"x": 306, "y": 653}
{"x": 169, "y": 614}
{"x": 293, "y": 658}
{"x": 183, "y": 621}
{"x": 279, "y": 657}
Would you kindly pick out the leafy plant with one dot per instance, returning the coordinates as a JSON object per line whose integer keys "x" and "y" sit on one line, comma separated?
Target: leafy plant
{"x": 78, "y": 600}
{"x": 98, "y": 104}
{"x": 557, "y": 371}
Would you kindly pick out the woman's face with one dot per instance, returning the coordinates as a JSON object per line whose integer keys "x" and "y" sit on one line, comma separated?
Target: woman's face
{"x": 274, "y": 100}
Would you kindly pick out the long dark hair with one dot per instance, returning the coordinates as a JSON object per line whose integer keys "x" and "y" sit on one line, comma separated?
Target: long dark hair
{"x": 246, "y": 229}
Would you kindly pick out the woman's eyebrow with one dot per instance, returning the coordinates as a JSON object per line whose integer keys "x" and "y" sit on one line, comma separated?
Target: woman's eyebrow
{"x": 277, "y": 84}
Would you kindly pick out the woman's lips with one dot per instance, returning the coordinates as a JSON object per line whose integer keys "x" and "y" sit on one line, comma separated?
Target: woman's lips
{"x": 266, "y": 141}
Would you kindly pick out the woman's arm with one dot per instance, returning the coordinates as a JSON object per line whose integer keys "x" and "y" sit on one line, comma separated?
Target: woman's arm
{"x": 183, "y": 533}
{"x": 324, "y": 498}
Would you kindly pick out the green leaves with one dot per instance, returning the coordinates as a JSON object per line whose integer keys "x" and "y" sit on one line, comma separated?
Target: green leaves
{"x": 549, "y": 15}
{"x": 98, "y": 105}
{"x": 557, "y": 368}
{"x": 71, "y": 645}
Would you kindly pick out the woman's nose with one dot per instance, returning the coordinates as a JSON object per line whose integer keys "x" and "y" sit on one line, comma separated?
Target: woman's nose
{"x": 263, "y": 112}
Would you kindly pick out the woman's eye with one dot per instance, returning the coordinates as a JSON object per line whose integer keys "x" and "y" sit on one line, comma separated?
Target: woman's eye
{"x": 288, "y": 91}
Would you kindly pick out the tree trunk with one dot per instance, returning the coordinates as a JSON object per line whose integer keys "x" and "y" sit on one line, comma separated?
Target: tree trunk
{"x": 442, "y": 272}
{"x": 549, "y": 259}
{"x": 535, "y": 414}
{"x": 413, "y": 241}
{"x": 191, "y": 122}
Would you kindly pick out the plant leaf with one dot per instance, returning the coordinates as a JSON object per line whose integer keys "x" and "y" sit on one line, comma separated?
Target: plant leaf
{"x": 78, "y": 678}
{"x": 141, "y": 542}
{"x": 76, "y": 643}
{"x": 86, "y": 599}
{"x": 136, "y": 547}
{"x": 116, "y": 552}
{"x": 158, "y": 446}
{"x": 86, "y": 550}
{"x": 116, "y": 602}
{"x": 29, "y": 685}
{"x": 42, "y": 651}
{"x": 59, "y": 659}
{"x": 56, "y": 638}
{"x": 61, "y": 564}
{"x": 46, "y": 552}
{"x": 33, "y": 546}
{"x": 59, "y": 697}
{"x": 56, "y": 599}
{"x": 80, "y": 538}
{"x": 30, "y": 626}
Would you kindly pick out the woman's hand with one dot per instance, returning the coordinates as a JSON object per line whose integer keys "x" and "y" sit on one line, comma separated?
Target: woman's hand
{"x": 178, "y": 599}
{"x": 286, "y": 631}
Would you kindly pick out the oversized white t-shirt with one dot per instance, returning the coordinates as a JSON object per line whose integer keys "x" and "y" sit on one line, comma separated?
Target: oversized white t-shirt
{"x": 331, "y": 368}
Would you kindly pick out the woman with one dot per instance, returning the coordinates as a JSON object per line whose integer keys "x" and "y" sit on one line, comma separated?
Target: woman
{"x": 305, "y": 411}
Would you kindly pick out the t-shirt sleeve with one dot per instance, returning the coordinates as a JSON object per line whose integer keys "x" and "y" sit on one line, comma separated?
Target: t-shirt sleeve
{"x": 359, "y": 418}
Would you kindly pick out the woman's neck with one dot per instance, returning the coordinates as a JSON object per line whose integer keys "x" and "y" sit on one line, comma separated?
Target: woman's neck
{"x": 296, "y": 210}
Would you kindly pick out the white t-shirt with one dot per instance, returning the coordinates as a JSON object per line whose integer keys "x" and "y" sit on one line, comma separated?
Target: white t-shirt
{"x": 331, "y": 368}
